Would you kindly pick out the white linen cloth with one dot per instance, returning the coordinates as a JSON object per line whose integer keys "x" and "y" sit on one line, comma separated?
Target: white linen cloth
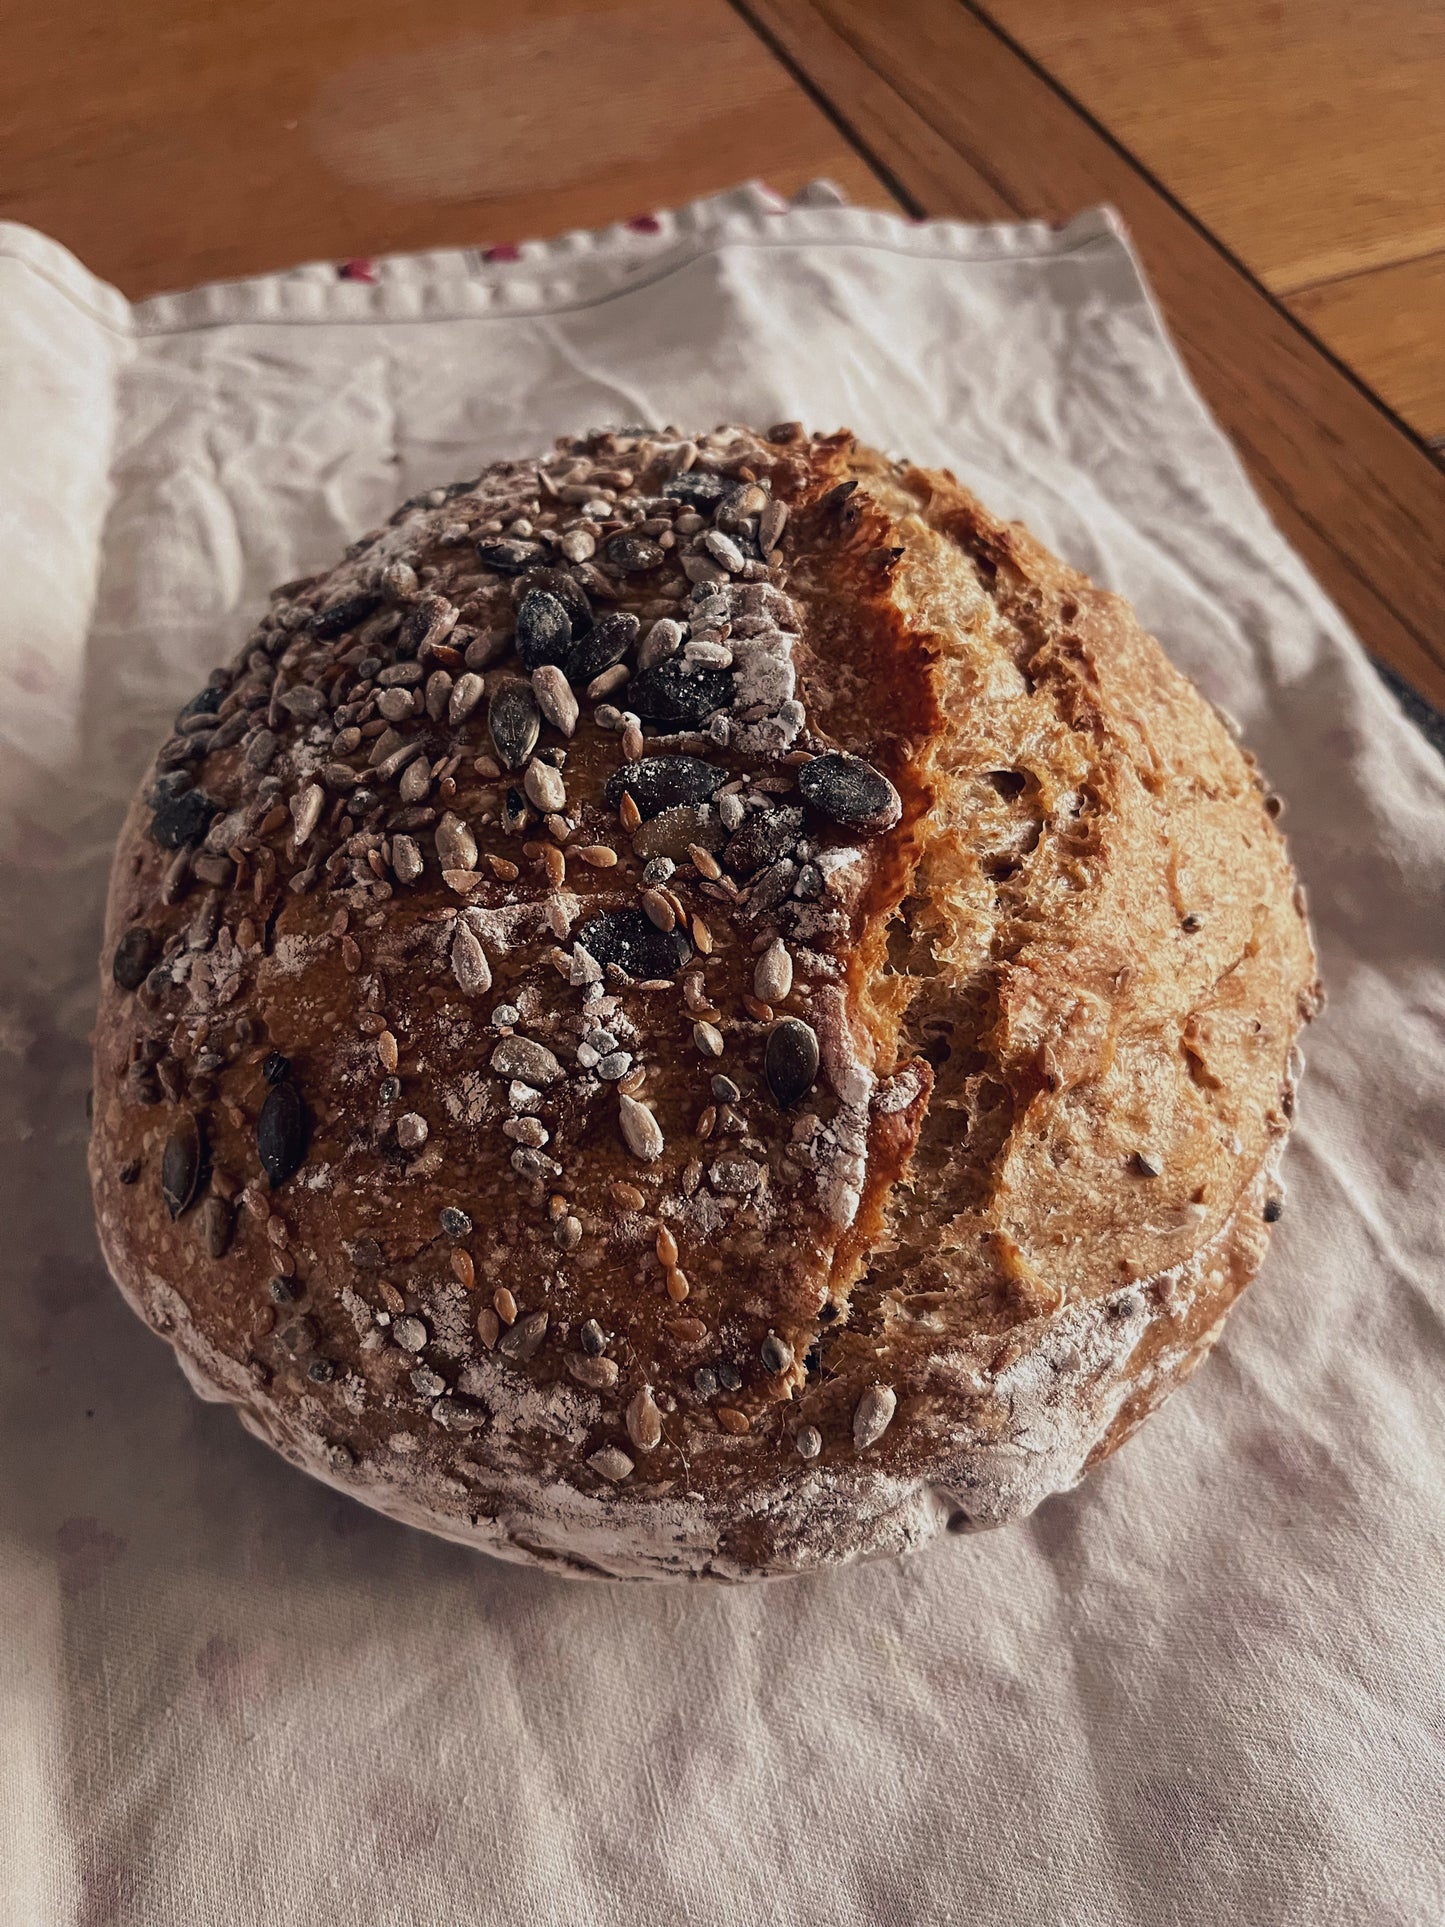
{"x": 1205, "y": 1688}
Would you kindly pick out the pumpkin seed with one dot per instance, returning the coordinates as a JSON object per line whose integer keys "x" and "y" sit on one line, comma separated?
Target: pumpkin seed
{"x": 850, "y": 792}
{"x": 790, "y": 1062}
{"x": 181, "y": 1163}
{"x": 514, "y": 722}
{"x": 281, "y": 1133}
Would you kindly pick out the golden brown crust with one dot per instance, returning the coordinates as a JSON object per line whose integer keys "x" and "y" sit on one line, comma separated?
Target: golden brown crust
{"x": 1054, "y": 1004}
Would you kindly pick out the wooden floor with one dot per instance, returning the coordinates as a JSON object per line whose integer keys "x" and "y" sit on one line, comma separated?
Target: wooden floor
{"x": 1281, "y": 164}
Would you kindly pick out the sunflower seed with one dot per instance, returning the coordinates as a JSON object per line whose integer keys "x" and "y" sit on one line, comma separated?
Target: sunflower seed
{"x": 644, "y": 1421}
{"x": 396, "y": 704}
{"x": 662, "y": 641}
{"x": 430, "y": 619}
{"x": 438, "y": 694}
{"x": 790, "y": 1062}
{"x": 181, "y": 1163}
{"x": 515, "y": 723}
{"x": 458, "y": 1413}
{"x": 544, "y": 630}
{"x": 410, "y": 1333}
{"x": 216, "y": 1221}
{"x": 641, "y": 1131}
{"x": 872, "y": 1415}
{"x": 770, "y": 526}
{"x": 544, "y": 786}
{"x": 406, "y": 859}
{"x": 597, "y": 1374}
{"x": 657, "y": 783}
{"x": 133, "y": 956}
{"x": 773, "y": 973}
{"x": 469, "y": 961}
{"x": 612, "y": 1464}
{"x": 850, "y": 792}
{"x": 555, "y": 698}
{"x": 467, "y": 692}
{"x": 765, "y": 837}
{"x": 261, "y": 751}
{"x": 523, "y": 1058}
{"x": 456, "y": 847}
{"x": 724, "y": 550}
{"x": 399, "y": 581}
{"x": 306, "y": 808}
{"x": 630, "y": 939}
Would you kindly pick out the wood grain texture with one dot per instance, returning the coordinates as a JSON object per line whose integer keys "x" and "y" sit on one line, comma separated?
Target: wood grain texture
{"x": 1389, "y": 325}
{"x": 198, "y": 139}
{"x": 964, "y": 125}
{"x": 1309, "y": 135}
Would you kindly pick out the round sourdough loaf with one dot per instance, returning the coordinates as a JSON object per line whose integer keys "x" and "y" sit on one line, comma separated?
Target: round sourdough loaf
{"x": 696, "y": 1008}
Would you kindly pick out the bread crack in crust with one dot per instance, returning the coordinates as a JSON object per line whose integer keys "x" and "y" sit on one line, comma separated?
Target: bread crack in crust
{"x": 697, "y": 1007}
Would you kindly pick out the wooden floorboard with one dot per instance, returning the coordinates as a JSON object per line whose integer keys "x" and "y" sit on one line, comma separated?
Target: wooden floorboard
{"x": 1389, "y": 325}
{"x": 1309, "y": 136}
{"x": 964, "y": 124}
{"x": 201, "y": 139}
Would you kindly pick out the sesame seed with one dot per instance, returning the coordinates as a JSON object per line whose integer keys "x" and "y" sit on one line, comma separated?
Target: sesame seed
{"x": 411, "y": 1131}
{"x": 1147, "y": 1165}
{"x": 567, "y": 1233}
{"x": 809, "y": 1441}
